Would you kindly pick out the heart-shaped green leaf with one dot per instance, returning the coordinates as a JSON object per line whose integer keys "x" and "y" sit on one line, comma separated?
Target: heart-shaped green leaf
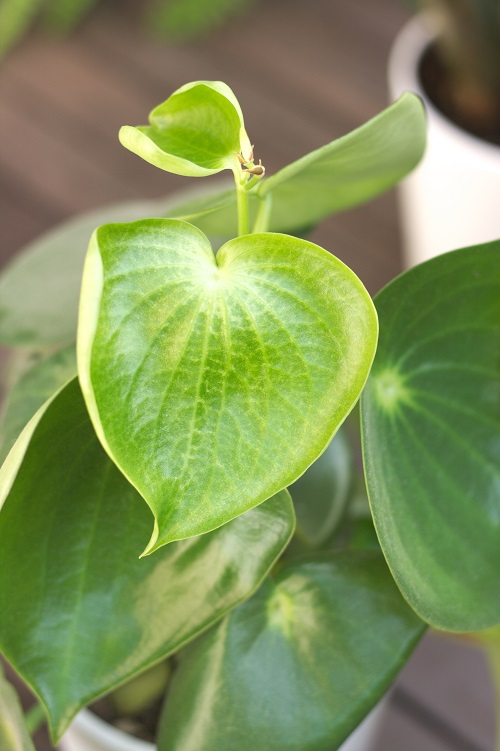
{"x": 31, "y": 391}
{"x": 14, "y": 735}
{"x": 214, "y": 383}
{"x": 198, "y": 131}
{"x": 39, "y": 290}
{"x": 298, "y": 665}
{"x": 79, "y": 612}
{"x": 431, "y": 425}
{"x": 336, "y": 177}
{"x": 321, "y": 494}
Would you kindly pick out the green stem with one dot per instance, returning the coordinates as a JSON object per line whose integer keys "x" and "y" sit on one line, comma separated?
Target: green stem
{"x": 261, "y": 223}
{"x": 243, "y": 219}
{"x": 34, "y": 718}
{"x": 492, "y": 652}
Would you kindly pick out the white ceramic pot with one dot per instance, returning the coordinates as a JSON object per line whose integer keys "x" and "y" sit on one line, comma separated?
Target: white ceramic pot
{"x": 452, "y": 199}
{"x": 89, "y": 733}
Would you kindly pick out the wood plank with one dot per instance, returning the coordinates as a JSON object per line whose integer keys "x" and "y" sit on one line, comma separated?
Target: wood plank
{"x": 451, "y": 679}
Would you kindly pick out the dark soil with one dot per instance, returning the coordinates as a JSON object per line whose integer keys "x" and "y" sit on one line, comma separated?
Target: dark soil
{"x": 468, "y": 108}
{"x": 143, "y": 726}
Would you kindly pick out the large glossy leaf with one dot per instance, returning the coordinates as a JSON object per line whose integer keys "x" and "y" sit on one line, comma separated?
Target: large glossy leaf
{"x": 344, "y": 173}
{"x": 197, "y": 131}
{"x": 214, "y": 383}
{"x": 431, "y": 424}
{"x": 31, "y": 391}
{"x": 39, "y": 290}
{"x": 14, "y": 735}
{"x": 79, "y": 612}
{"x": 295, "y": 667}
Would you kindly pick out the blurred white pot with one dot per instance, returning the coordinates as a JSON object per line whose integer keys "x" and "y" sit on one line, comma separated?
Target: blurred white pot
{"x": 452, "y": 199}
{"x": 89, "y": 733}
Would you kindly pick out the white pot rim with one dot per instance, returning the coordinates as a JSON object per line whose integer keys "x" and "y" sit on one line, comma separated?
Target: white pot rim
{"x": 98, "y": 730}
{"x": 403, "y": 72}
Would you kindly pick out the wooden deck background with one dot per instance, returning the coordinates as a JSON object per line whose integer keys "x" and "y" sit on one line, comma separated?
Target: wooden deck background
{"x": 304, "y": 73}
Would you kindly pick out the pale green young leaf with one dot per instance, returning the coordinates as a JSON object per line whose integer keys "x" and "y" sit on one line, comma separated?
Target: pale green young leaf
{"x": 298, "y": 665}
{"x": 343, "y": 174}
{"x": 14, "y": 735}
{"x": 15, "y": 18}
{"x": 431, "y": 427}
{"x": 197, "y": 131}
{"x": 213, "y": 383}
{"x": 79, "y": 612}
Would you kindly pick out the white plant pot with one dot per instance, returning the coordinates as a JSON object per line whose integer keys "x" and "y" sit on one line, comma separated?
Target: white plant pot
{"x": 88, "y": 732}
{"x": 452, "y": 199}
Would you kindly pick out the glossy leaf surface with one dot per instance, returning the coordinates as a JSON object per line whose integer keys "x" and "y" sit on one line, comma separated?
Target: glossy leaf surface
{"x": 197, "y": 131}
{"x": 343, "y": 174}
{"x": 321, "y": 494}
{"x": 214, "y": 383}
{"x": 39, "y": 290}
{"x": 298, "y": 665}
{"x": 31, "y": 391}
{"x": 431, "y": 424}
{"x": 14, "y": 735}
{"x": 79, "y": 611}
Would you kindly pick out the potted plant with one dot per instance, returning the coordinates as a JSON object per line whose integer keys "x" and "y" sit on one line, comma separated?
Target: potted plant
{"x": 208, "y": 384}
{"x": 449, "y": 56}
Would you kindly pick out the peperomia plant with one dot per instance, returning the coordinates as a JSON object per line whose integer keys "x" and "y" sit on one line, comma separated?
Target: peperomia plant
{"x": 145, "y": 511}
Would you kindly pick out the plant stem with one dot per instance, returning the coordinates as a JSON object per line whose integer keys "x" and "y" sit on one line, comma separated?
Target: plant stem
{"x": 34, "y": 718}
{"x": 243, "y": 220}
{"x": 261, "y": 223}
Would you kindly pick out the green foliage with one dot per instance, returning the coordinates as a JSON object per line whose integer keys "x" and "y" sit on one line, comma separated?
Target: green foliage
{"x": 208, "y": 383}
{"x": 174, "y": 19}
{"x": 431, "y": 421}
{"x": 185, "y": 19}
{"x": 79, "y": 612}
{"x": 182, "y": 354}
{"x": 288, "y": 655}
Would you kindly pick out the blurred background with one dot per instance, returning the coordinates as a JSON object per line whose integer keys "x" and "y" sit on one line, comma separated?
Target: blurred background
{"x": 304, "y": 73}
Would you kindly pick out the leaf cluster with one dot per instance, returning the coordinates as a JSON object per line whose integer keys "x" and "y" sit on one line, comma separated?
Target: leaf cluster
{"x": 179, "y": 506}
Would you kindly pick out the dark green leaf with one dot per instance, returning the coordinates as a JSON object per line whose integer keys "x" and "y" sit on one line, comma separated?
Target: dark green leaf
{"x": 431, "y": 424}
{"x": 79, "y": 612}
{"x": 321, "y": 494}
{"x": 298, "y": 665}
{"x": 214, "y": 383}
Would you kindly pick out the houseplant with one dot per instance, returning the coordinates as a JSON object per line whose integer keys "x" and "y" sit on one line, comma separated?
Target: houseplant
{"x": 287, "y": 335}
{"x": 449, "y": 56}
